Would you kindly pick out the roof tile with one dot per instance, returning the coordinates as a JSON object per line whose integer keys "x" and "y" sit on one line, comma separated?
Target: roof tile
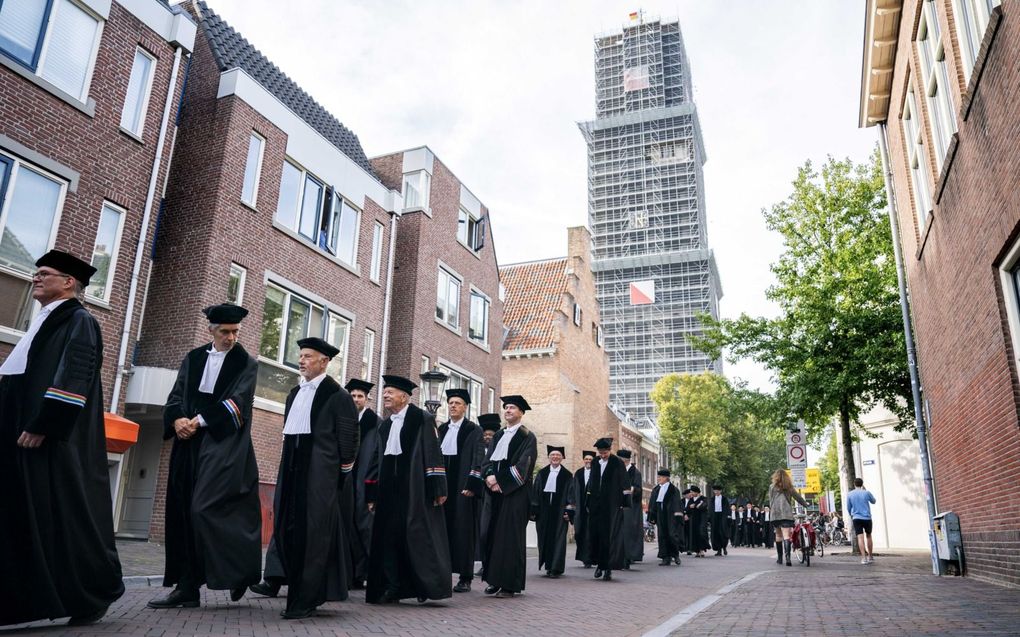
{"x": 534, "y": 292}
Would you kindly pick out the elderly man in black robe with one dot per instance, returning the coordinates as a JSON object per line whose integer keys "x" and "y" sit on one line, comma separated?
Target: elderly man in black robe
{"x": 508, "y": 470}
{"x": 633, "y": 516}
{"x": 320, "y": 443}
{"x": 608, "y": 495}
{"x": 665, "y": 512}
{"x": 719, "y": 509}
{"x": 357, "y": 518}
{"x": 697, "y": 511}
{"x": 57, "y": 554}
{"x": 406, "y": 488}
{"x": 577, "y": 509}
{"x": 490, "y": 424}
{"x": 460, "y": 440}
{"x": 549, "y": 500}
{"x": 213, "y": 515}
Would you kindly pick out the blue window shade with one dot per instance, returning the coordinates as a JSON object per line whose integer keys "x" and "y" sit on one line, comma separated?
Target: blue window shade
{"x": 22, "y": 23}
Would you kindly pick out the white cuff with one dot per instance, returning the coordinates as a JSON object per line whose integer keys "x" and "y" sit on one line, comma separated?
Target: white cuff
{"x": 202, "y": 422}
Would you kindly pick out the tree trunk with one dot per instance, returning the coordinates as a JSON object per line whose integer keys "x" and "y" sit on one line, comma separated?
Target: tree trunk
{"x": 848, "y": 468}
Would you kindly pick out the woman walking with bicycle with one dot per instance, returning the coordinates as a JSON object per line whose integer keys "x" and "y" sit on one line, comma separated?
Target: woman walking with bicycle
{"x": 781, "y": 496}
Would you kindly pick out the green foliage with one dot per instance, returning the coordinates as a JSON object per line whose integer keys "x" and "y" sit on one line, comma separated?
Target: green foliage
{"x": 828, "y": 466}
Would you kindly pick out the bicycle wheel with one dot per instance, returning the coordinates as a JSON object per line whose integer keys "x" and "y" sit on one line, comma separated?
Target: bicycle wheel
{"x": 821, "y": 548}
{"x": 805, "y": 547}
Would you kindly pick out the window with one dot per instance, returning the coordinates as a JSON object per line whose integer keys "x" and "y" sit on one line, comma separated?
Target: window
{"x": 1009, "y": 273}
{"x": 457, "y": 380}
{"x": 300, "y": 201}
{"x": 424, "y": 368}
{"x": 416, "y": 190}
{"x": 448, "y": 299}
{"x": 136, "y": 103}
{"x": 287, "y": 317}
{"x": 339, "y": 234}
{"x": 235, "y": 284}
{"x": 56, "y": 40}
{"x": 377, "y": 239}
{"x": 596, "y": 334}
{"x": 916, "y": 159}
{"x": 470, "y": 230}
{"x": 492, "y": 400}
{"x": 253, "y": 170}
{"x": 932, "y": 54}
{"x": 971, "y": 22}
{"x": 104, "y": 253}
{"x": 30, "y": 204}
{"x": 478, "y": 327}
{"x": 366, "y": 355}
{"x": 577, "y": 314}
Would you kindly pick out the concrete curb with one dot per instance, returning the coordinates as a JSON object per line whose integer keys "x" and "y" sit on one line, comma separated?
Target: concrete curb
{"x": 689, "y": 612}
{"x": 132, "y": 581}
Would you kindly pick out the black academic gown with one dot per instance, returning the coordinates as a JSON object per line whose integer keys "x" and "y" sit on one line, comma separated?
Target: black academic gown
{"x": 353, "y": 508}
{"x": 506, "y": 516}
{"x": 409, "y": 555}
{"x": 213, "y": 514}
{"x": 668, "y": 518}
{"x": 578, "y": 510}
{"x": 606, "y": 502}
{"x": 463, "y": 473}
{"x": 633, "y": 518}
{"x": 548, "y": 509}
{"x": 308, "y": 530}
{"x": 720, "y": 536}
{"x": 57, "y": 553}
{"x": 697, "y": 511}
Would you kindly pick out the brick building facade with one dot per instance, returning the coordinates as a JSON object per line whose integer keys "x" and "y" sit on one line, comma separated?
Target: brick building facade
{"x": 89, "y": 93}
{"x": 553, "y": 355}
{"x": 940, "y": 78}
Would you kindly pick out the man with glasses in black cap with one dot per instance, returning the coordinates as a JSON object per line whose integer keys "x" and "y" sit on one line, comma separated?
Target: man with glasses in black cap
{"x": 463, "y": 451}
{"x": 57, "y": 553}
{"x": 608, "y": 495}
{"x": 549, "y": 501}
{"x": 577, "y": 509}
{"x": 213, "y": 514}
{"x": 358, "y": 520}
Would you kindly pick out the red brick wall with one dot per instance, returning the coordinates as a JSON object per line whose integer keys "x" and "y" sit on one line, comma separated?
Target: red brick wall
{"x": 965, "y": 354}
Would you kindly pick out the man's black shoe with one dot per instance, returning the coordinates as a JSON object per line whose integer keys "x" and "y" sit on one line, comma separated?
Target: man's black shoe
{"x": 587, "y": 564}
{"x": 665, "y": 563}
{"x": 463, "y": 586}
{"x": 478, "y": 573}
{"x": 505, "y": 594}
{"x": 422, "y": 600}
{"x": 297, "y": 613}
{"x": 491, "y": 590}
{"x": 598, "y": 573}
{"x": 85, "y": 620}
{"x": 608, "y": 575}
{"x": 388, "y": 597}
{"x": 718, "y": 553}
{"x": 688, "y": 552}
{"x": 176, "y": 599}
{"x": 555, "y": 575}
{"x": 724, "y": 551}
{"x": 237, "y": 593}
{"x": 265, "y": 589}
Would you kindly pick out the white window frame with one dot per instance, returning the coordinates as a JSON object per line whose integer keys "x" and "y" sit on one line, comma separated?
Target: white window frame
{"x": 577, "y": 314}
{"x": 600, "y": 336}
{"x": 241, "y": 280}
{"x": 143, "y": 108}
{"x": 972, "y": 18}
{"x": 423, "y": 188}
{"x": 378, "y": 232}
{"x": 40, "y": 65}
{"x": 253, "y": 202}
{"x": 492, "y": 400}
{"x": 300, "y": 204}
{"x": 468, "y": 227}
{"x": 917, "y": 160}
{"x": 368, "y": 347}
{"x": 459, "y": 378}
{"x": 487, "y": 305}
{"x": 16, "y": 166}
{"x": 341, "y": 202}
{"x": 448, "y": 275}
{"x": 931, "y": 53}
{"x": 114, "y": 253}
{"x": 1009, "y": 294}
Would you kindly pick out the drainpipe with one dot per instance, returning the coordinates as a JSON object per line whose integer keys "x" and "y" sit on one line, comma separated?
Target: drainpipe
{"x": 908, "y": 335}
{"x": 387, "y": 304}
{"x": 125, "y": 334}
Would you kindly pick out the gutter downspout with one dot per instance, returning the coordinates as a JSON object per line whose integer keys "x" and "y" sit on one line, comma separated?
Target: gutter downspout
{"x": 908, "y": 335}
{"x": 387, "y": 304}
{"x": 125, "y": 335}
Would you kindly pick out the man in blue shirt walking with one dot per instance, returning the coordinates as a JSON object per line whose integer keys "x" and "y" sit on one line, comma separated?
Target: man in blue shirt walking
{"x": 859, "y": 504}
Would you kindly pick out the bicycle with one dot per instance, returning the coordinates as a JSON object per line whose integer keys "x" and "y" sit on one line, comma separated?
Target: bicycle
{"x": 838, "y": 537}
{"x": 804, "y": 540}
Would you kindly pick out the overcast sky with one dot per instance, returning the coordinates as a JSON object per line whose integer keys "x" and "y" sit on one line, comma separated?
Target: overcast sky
{"x": 496, "y": 89}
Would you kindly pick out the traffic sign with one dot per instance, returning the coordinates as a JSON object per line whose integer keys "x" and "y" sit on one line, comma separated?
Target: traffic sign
{"x": 799, "y": 476}
{"x": 796, "y": 456}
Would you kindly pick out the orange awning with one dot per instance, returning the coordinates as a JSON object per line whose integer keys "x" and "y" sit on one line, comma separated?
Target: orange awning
{"x": 121, "y": 433}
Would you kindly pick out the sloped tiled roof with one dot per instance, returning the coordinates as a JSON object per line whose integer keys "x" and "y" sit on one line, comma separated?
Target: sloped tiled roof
{"x": 231, "y": 51}
{"x": 533, "y": 294}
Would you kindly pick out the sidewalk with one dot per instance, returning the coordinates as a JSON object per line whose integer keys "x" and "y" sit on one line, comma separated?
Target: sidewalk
{"x": 836, "y": 595}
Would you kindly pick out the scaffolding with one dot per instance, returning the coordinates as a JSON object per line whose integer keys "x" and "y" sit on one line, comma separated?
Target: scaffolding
{"x": 646, "y": 210}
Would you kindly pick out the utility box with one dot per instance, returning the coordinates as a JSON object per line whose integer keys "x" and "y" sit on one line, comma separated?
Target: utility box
{"x": 949, "y": 540}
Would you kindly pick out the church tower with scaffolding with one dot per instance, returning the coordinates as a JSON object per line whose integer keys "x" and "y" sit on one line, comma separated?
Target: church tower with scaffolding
{"x": 646, "y": 208}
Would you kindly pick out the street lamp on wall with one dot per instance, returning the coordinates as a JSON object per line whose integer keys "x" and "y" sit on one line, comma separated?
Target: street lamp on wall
{"x": 432, "y": 383}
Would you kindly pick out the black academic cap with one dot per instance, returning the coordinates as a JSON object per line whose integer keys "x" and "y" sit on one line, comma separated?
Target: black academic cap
{"x": 717, "y": 487}
{"x": 695, "y": 488}
{"x": 589, "y": 452}
{"x": 624, "y": 453}
{"x": 225, "y": 313}
{"x": 549, "y": 449}
{"x": 357, "y": 383}
{"x": 685, "y": 492}
{"x": 399, "y": 382}
{"x": 459, "y": 393}
{"x": 603, "y": 443}
{"x": 489, "y": 422}
{"x": 515, "y": 400}
{"x": 319, "y": 345}
{"x": 664, "y": 473}
{"x": 68, "y": 264}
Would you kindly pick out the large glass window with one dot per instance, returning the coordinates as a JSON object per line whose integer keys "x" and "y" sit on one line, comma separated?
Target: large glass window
{"x": 340, "y": 230}
{"x": 311, "y": 204}
{"x": 235, "y": 284}
{"x": 30, "y": 203}
{"x": 136, "y": 103}
{"x": 301, "y": 197}
{"x": 971, "y": 22}
{"x": 290, "y": 195}
{"x": 377, "y": 243}
{"x": 932, "y": 54}
{"x": 458, "y": 380}
{"x": 104, "y": 253}
{"x": 470, "y": 230}
{"x": 448, "y": 298}
{"x": 67, "y": 58}
{"x": 416, "y": 189}
{"x": 253, "y": 169}
{"x": 917, "y": 161}
{"x": 367, "y": 351}
{"x": 478, "y": 329}
{"x": 21, "y": 29}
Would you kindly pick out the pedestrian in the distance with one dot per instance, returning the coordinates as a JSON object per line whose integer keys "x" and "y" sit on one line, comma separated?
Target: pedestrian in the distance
{"x": 57, "y": 554}
{"x": 781, "y": 496}
{"x": 719, "y": 507}
{"x": 577, "y": 509}
{"x": 608, "y": 495}
{"x": 460, "y": 440}
{"x": 633, "y": 516}
{"x": 858, "y": 503}
{"x": 664, "y": 511}
{"x": 549, "y": 501}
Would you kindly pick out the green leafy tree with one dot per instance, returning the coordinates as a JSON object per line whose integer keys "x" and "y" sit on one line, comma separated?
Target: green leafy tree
{"x": 837, "y": 346}
{"x": 828, "y": 466}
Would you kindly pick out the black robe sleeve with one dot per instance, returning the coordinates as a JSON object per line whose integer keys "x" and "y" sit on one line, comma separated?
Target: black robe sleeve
{"x": 348, "y": 431}
{"x": 475, "y": 484}
{"x": 432, "y": 454}
{"x": 228, "y": 416}
{"x": 174, "y": 408}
